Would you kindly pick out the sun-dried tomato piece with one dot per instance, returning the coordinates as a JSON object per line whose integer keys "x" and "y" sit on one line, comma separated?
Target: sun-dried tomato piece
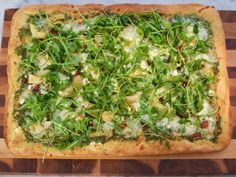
{"x": 36, "y": 88}
{"x": 204, "y": 124}
{"x": 196, "y": 136}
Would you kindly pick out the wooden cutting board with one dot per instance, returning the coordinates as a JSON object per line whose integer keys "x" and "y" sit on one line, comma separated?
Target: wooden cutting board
{"x": 136, "y": 165}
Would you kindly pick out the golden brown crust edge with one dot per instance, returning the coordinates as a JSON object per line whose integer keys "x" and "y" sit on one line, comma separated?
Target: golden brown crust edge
{"x": 15, "y": 140}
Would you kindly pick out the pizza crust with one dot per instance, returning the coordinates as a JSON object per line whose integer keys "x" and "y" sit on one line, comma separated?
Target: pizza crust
{"x": 15, "y": 138}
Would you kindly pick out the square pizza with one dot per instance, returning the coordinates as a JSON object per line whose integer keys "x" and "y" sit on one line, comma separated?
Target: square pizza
{"x": 119, "y": 80}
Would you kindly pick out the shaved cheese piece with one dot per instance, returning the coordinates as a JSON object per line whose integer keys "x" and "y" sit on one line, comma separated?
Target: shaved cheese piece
{"x": 43, "y": 61}
{"x": 107, "y": 116}
{"x": 75, "y": 27}
{"x": 33, "y": 79}
{"x": 36, "y": 33}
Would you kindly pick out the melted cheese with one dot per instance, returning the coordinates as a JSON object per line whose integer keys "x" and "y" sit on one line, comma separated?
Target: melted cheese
{"x": 190, "y": 129}
{"x": 209, "y": 131}
{"x": 163, "y": 122}
{"x": 202, "y": 33}
{"x": 207, "y": 109}
{"x": 174, "y": 124}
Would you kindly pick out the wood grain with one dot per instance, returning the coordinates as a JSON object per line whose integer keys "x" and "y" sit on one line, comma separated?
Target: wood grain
{"x": 205, "y": 164}
{"x": 127, "y": 167}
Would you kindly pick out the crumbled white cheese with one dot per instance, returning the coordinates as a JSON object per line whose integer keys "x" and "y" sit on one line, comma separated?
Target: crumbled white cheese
{"x": 145, "y": 117}
{"x": 207, "y": 109}
{"x": 93, "y": 143}
{"x": 132, "y": 38}
{"x": 133, "y": 129}
{"x": 47, "y": 124}
{"x": 207, "y": 57}
{"x": 84, "y": 57}
{"x": 190, "y": 32}
{"x": 202, "y": 33}
{"x": 85, "y": 81}
{"x": 63, "y": 77}
{"x": 163, "y": 122}
{"x": 79, "y": 99}
{"x": 153, "y": 52}
{"x": 208, "y": 132}
{"x": 43, "y": 90}
{"x": 30, "y": 86}
{"x": 24, "y": 95}
{"x": 174, "y": 73}
{"x": 129, "y": 33}
{"x": 75, "y": 27}
{"x": 211, "y": 92}
{"x": 108, "y": 129}
{"x": 144, "y": 64}
{"x": 161, "y": 90}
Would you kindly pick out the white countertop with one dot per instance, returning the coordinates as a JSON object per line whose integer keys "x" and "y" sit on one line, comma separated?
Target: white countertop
{"x": 6, "y": 4}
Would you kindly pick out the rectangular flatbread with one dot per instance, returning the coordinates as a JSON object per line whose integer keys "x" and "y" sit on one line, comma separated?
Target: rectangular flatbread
{"x": 119, "y": 80}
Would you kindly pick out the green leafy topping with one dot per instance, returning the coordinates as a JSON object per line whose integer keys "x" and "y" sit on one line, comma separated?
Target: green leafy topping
{"x": 116, "y": 77}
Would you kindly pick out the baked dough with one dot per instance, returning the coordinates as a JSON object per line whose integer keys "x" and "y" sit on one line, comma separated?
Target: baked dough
{"x": 15, "y": 138}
